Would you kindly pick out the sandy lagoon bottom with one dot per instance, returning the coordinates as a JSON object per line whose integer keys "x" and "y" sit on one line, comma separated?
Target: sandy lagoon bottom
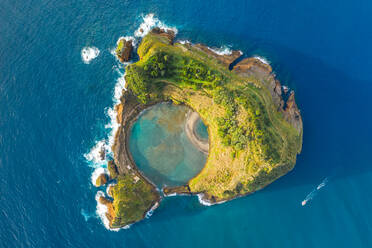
{"x": 161, "y": 148}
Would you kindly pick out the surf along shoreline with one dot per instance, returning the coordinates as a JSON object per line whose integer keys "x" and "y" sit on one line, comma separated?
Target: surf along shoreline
{"x": 134, "y": 195}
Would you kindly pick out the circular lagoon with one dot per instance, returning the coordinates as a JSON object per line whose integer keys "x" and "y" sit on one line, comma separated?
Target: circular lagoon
{"x": 161, "y": 147}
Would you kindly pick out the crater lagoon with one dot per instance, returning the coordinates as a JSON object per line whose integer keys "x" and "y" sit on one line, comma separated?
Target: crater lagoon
{"x": 160, "y": 147}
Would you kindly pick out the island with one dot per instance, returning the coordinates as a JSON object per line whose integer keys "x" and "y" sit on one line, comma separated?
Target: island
{"x": 254, "y": 126}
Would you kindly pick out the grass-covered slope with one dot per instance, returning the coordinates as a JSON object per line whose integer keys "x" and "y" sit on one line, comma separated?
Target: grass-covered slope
{"x": 251, "y": 143}
{"x": 132, "y": 198}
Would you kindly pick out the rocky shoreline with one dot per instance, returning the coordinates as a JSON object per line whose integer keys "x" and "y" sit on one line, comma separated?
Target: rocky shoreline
{"x": 129, "y": 109}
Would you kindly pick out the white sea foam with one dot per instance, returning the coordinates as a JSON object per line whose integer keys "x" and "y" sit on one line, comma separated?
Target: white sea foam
{"x": 285, "y": 88}
{"x": 89, "y": 53}
{"x": 96, "y": 173}
{"x": 127, "y": 38}
{"x": 183, "y": 42}
{"x": 102, "y": 210}
{"x": 207, "y": 203}
{"x": 224, "y": 50}
{"x": 262, "y": 59}
{"x": 101, "y": 213}
{"x": 149, "y": 22}
{"x": 108, "y": 189}
{"x": 151, "y": 211}
{"x": 94, "y": 155}
{"x": 113, "y": 50}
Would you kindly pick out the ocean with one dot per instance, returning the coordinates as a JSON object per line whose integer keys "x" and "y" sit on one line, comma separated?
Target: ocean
{"x": 59, "y": 82}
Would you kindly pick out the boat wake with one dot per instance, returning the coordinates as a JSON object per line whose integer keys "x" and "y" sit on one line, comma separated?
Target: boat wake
{"x": 314, "y": 192}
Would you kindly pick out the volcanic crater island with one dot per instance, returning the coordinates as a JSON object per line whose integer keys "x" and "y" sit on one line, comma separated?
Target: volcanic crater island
{"x": 254, "y": 125}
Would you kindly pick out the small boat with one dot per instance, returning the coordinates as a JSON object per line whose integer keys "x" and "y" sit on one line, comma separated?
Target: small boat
{"x": 303, "y": 203}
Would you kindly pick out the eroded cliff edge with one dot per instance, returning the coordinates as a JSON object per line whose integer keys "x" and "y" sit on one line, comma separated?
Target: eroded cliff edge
{"x": 254, "y": 135}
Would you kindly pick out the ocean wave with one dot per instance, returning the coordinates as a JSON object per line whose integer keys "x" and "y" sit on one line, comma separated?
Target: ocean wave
{"x": 183, "y": 42}
{"x": 111, "y": 112}
{"x": 94, "y": 155}
{"x": 108, "y": 188}
{"x": 96, "y": 173}
{"x": 224, "y": 50}
{"x": 101, "y": 211}
{"x": 149, "y": 22}
{"x": 206, "y": 203}
{"x": 89, "y": 53}
{"x": 262, "y": 59}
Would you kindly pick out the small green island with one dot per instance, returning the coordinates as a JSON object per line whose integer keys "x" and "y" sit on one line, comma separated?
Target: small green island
{"x": 254, "y": 125}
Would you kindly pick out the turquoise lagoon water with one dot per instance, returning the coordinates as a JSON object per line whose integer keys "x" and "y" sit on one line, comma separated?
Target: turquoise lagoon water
{"x": 201, "y": 130}
{"x": 161, "y": 148}
{"x": 54, "y": 107}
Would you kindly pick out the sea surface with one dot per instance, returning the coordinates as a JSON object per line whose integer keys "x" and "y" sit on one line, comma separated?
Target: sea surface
{"x": 59, "y": 82}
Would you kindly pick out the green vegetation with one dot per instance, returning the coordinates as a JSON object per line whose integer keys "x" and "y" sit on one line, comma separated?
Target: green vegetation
{"x": 132, "y": 198}
{"x": 251, "y": 143}
{"x": 119, "y": 47}
{"x": 112, "y": 169}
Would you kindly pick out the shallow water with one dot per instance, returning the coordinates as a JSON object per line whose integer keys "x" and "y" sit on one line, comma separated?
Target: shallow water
{"x": 201, "y": 130}
{"x": 161, "y": 148}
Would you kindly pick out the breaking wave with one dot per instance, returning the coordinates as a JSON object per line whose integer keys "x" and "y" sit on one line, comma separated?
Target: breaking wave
{"x": 96, "y": 173}
{"x": 262, "y": 59}
{"x": 207, "y": 203}
{"x": 89, "y": 53}
{"x": 224, "y": 50}
{"x": 149, "y": 22}
{"x": 94, "y": 155}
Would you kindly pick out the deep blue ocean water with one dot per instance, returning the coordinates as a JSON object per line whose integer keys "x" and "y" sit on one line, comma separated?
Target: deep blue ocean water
{"x": 53, "y": 108}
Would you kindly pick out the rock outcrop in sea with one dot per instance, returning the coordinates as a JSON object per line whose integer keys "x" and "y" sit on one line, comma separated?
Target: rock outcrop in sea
{"x": 124, "y": 50}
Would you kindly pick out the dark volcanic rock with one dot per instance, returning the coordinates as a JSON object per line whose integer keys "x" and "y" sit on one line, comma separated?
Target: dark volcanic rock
{"x": 169, "y": 34}
{"x": 292, "y": 113}
{"x": 185, "y": 189}
{"x": 101, "y": 180}
{"x": 112, "y": 169}
{"x": 110, "y": 208}
{"x": 226, "y": 59}
{"x": 253, "y": 66}
{"x": 125, "y": 53}
{"x": 102, "y": 153}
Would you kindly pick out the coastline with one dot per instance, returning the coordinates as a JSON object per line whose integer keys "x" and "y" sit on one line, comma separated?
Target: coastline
{"x": 205, "y": 184}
